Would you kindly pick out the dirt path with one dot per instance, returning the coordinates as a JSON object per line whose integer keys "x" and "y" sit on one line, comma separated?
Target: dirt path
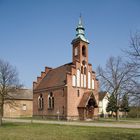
{"x": 119, "y": 125}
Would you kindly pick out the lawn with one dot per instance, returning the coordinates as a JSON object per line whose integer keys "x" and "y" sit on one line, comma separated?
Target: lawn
{"x": 23, "y": 131}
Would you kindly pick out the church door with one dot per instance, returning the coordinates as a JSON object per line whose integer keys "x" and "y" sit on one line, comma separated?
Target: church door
{"x": 90, "y": 108}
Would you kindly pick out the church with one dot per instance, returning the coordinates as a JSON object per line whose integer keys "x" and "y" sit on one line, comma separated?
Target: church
{"x": 69, "y": 91}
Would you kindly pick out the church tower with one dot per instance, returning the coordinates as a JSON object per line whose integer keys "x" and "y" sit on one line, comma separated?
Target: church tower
{"x": 80, "y": 45}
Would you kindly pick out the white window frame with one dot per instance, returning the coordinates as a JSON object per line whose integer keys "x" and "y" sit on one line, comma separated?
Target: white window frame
{"x": 93, "y": 82}
{"x": 89, "y": 80}
{"x": 78, "y": 78}
{"x": 74, "y": 80}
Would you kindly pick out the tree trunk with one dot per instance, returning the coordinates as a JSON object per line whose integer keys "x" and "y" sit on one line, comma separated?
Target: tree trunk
{"x": 117, "y": 115}
{"x": 112, "y": 114}
{"x": 1, "y": 113}
{"x": 0, "y": 120}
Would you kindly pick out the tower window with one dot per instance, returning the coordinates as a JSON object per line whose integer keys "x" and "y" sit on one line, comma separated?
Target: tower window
{"x": 76, "y": 51}
{"x": 84, "y": 51}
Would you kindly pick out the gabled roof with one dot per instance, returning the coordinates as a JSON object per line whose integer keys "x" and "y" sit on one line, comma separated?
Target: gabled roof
{"x": 55, "y": 77}
{"x": 21, "y": 94}
{"x": 102, "y": 94}
{"x": 85, "y": 99}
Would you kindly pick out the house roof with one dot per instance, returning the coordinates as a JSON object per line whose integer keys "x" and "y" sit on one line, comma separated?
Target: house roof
{"x": 55, "y": 77}
{"x": 102, "y": 94}
{"x": 21, "y": 94}
{"x": 85, "y": 98}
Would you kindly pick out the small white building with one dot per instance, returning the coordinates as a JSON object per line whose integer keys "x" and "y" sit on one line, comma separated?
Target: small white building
{"x": 103, "y": 102}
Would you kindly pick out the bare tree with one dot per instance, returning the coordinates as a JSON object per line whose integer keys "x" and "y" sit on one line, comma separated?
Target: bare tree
{"x": 8, "y": 83}
{"x": 117, "y": 79}
{"x": 133, "y": 53}
{"x": 135, "y": 95}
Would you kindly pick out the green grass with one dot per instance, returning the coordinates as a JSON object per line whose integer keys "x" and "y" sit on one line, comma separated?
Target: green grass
{"x": 23, "y": 131}
{"x": 121, "y": 120}
{"x": 100, "y": 120}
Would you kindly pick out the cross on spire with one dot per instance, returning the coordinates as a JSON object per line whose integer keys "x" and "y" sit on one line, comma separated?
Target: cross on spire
{"x": 80, "y": 19}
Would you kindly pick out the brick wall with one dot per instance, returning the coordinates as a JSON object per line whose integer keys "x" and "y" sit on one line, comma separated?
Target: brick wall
{"x": 59, "y": 95}
{"x": 19, "y": 108}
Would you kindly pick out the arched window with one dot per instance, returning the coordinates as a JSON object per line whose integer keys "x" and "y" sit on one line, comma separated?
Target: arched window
{"x": 76, "y": 51}
{"x": 40, "y": 102}
{"x": 89, "y": 80}
{"x": 91, "y": 102}
{"x": 74, "y": 80}
{"x": 84, "y": 51}
{"x": 92, "y": 84}
{"x": 78, "y": 78}
{"x": 50, "y": 101}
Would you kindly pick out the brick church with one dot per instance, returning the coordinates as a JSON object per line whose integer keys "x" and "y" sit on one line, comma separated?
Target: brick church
{"x": 69, "y": 91}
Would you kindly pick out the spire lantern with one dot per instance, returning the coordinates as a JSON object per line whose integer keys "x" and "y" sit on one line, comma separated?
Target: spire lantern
{"x": 80, "y": 32}
{"x": 80, "y": 29}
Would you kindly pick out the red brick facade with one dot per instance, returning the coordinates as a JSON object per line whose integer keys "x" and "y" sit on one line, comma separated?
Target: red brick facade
{"x": 69, "y": 91}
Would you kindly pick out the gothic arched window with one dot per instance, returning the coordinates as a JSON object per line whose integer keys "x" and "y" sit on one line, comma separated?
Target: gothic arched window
{"x": 76, "y": 51}
{"x": 50, "y": 101}
{"x": 40, "y": 102}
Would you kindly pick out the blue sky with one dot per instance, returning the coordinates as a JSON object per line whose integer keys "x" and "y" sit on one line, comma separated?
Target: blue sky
{"x": 38, "y": 33}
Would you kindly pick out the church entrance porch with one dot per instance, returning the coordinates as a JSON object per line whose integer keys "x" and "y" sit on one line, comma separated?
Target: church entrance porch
{"x": 87, "y": 106}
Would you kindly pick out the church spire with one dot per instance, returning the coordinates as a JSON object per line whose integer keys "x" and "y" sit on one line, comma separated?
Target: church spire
{"x": 80, "y": 32}
{"x": 80, "y": 29}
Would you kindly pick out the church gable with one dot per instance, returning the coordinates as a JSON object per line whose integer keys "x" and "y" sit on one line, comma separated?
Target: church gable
{"x": 86, "y": 100}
